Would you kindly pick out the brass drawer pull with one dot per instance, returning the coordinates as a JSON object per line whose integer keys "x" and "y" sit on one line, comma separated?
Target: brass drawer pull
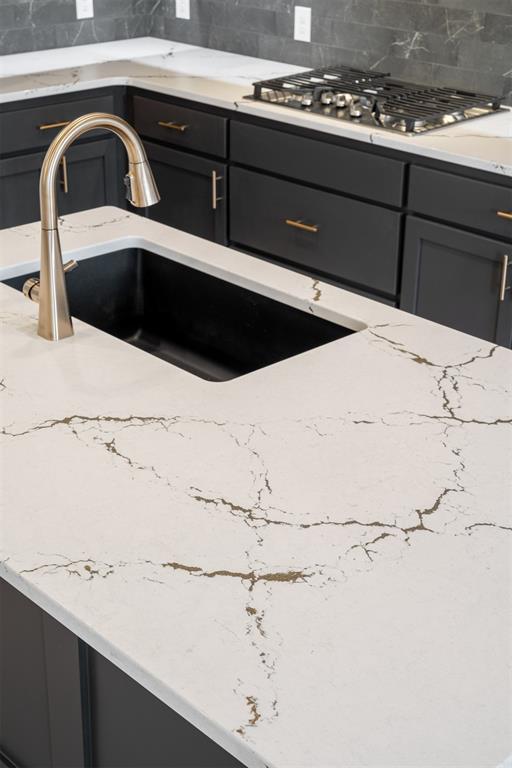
{"x": 504, "y": 214}
{"x": 64, "y": 180}
{"x": 49, "y": 126}
{"x": 503, "y": 283}
{"x": 298, "y": 224}
{"x": 181, "y": 127}
{"x": 215, "y": 198}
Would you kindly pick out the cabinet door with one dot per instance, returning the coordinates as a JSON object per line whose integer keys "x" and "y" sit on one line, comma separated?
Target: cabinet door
{"x": 458, "y": 279}
{"x": 40, "y": 692}
{"x": 89, "y": 179}
{"x": 192, "y": 198}
{"x": 130, "y": 728}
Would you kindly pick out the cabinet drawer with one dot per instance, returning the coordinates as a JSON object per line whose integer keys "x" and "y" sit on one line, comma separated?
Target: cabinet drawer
{"x": 25, "y": 129}
{"x": 180, "y": 126}
{"x": 346, "y": 239}
{"x": 460, "y": 200}
{"x": 317, "y": 162}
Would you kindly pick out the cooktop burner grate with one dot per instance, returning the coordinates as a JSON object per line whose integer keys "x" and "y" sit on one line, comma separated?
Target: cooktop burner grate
{"x": 373, "y": 98}
{"x": 335, "y": 77}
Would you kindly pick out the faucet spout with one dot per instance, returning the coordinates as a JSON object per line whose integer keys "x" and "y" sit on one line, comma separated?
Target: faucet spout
{"x": 54, "y": 317}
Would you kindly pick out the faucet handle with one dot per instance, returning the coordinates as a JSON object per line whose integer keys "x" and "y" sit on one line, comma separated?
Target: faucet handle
{"x": 31, "y": 289}
{"x": 31, "y": 286}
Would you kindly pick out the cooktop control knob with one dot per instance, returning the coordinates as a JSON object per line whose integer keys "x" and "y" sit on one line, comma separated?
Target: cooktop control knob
{"x": 355, "y": 107}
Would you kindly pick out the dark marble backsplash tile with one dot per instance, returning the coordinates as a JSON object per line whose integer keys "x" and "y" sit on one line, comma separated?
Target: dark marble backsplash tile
{"x": 463, "y": 43}
{"x": 32, "y": 25}
{"x": 460, "y": 43}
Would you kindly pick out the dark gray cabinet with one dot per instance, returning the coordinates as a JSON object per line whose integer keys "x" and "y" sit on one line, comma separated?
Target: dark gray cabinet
{"x": 326, "y": 233}
{"x": 40, "y": 694}
{"x": 323, "y": 161}
{"x": 467, "y": 203}
{"x": 181, "y": 127}
{"x": 133, "y": 729}
{"x": 458, "y": 279}
{"x": 25, "y": 127}
{"x": 89, "y": 178}
{"x": 192, "y": 191}
{"x": 62, "y": 705}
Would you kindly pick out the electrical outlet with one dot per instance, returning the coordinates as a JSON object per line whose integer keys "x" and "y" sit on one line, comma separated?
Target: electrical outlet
{"x": 183, "y": 9}
{"x": 302, "y": 26}
{"x": 84, "y": 9}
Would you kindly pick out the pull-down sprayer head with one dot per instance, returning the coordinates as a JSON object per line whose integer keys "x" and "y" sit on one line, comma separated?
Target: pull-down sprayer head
{"x": 140, "y": 185}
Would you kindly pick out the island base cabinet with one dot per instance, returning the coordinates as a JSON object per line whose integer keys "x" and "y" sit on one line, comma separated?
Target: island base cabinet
{"x": 133, "y": 729}
{"x": 40, "y": 692}
{"x": 458, "y": 279}
{"x": 192, "y": 192}
{"x": 63, "y": 705}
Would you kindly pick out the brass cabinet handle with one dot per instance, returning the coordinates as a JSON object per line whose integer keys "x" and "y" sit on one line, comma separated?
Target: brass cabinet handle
{"x": 504, "y": 214}
{"x": 298, "y": 224}
{"x": 49, "y": 126}
{"x": 215, "y": 198}
{"x": 64, "y": 180}
{"x": 181, "y": 127}
{"x": 503, "y": 283}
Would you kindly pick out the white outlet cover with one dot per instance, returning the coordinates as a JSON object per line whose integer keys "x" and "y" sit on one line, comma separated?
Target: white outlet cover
{"x": 84, "y": 9}
{"x": 183, "y": 9}
{"x": 302, "y": 26}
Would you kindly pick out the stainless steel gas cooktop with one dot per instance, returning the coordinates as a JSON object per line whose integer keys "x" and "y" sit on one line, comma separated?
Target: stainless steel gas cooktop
{"x": 374, "y": 99}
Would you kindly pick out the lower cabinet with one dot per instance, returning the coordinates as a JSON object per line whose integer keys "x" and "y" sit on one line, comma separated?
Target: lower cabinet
{"x": 88, "y": 178}
{"x": 458, "y": 279}
{"x": 40, "y": 692}
{"x": 62, "y": 705}
{"x": 192, "y": 191}
{"x": 328, "y": 234}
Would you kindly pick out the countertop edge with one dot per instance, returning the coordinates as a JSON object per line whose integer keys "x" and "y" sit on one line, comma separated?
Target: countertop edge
{"x": 228, "y": 741}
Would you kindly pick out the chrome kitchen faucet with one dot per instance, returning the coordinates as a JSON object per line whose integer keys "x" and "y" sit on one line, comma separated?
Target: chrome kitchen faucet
{"x": 50, "y": 289}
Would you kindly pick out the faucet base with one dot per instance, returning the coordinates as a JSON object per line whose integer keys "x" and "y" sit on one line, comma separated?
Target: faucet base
{"x": 54, "y": 318}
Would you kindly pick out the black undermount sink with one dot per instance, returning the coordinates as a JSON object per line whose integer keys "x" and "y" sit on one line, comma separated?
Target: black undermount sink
{"x": 208, "y": 326}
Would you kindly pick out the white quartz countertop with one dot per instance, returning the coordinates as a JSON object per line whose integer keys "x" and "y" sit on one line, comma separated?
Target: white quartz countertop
{"x": 222, "y": 79}
{"x": 312, "y": 562}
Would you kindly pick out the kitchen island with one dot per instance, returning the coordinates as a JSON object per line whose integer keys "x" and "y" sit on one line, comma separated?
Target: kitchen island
{"x": 310, "y": 563}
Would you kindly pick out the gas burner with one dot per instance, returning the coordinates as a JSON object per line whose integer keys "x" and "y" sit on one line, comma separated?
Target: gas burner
{"x": 374, "y": 99}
